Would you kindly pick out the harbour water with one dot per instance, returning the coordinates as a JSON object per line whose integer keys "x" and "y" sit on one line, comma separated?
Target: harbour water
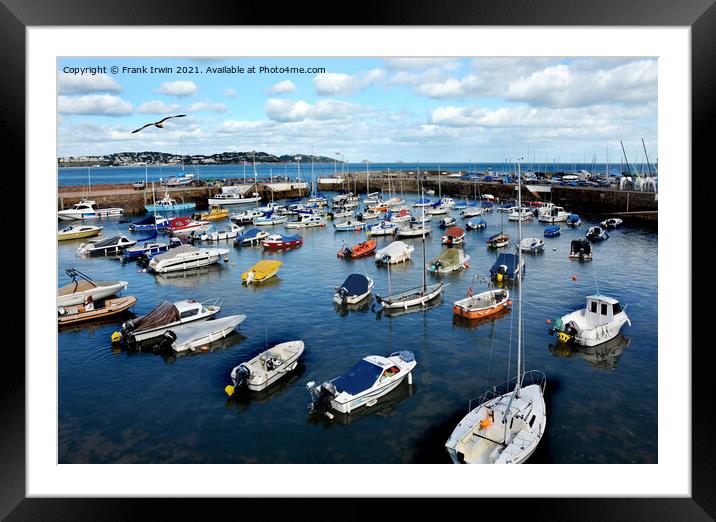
{"x": 122, "y": 407}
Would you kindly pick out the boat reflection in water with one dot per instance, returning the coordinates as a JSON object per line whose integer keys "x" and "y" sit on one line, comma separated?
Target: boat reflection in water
{"x": 244, "y": 398}
{"x": 463, "y": 322}
{"x": 170, "y": 356}
{"x": 397, "y": 312}
{"x": 604, "y": 356}
{"x": 363, "y": 307}
{"x": 192, "y": 277}
{"x": 383, "y": 408}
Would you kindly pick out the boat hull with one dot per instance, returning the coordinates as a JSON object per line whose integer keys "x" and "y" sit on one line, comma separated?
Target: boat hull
{"x": 111, "y": 307}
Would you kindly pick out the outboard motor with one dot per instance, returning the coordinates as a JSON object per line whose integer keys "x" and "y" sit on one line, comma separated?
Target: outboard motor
{"x": 321, "y": 396}
{"x": 240, "y": 376}
{"x": 165, "y": 344}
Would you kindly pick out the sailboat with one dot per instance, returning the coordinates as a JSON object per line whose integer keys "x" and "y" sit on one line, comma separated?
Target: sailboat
{"x": 509, "y": 421}
{"x": 420, "y": 295}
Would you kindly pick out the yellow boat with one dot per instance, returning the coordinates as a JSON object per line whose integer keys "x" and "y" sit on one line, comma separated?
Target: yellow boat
{"x": 78, "y": 232}
{"x": 261, "y": 271}
{"x": 215, "y": 212}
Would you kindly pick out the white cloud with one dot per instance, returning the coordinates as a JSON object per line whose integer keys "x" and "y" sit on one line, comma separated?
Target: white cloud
{"x": 288, "y": 110}
{"x": 419, "y": 64}
{"x": 468, "y": 86}
{"x": 282, "y": 87}
{"x": 179, "y": 88}
{"x": 207, "y": 106}
{"x": 340, "y": 84}
{"x": 231, "y": 93}
{"x": 157, "y": 107}
{"x": 94, "y": 104}
{"x": 85, "y": 84}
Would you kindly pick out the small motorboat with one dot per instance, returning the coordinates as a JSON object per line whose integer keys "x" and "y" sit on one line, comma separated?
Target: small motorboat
{"x": 78, "y": 232}
{"x": 270, "y": 219}
{"x": 414, "y": 230}
{"x": 70, "y": 315}
{"x": 169, "y": 204}
{"x": 438, "y": 208}
{"x": 368, "y": 215}
{"x": 371, "y": 378}
{"x": 596, "y": 234}
{"x": 354, "y": 289}
{"x": 349, "y": 225}
{"x": 149, "y": 223}
{"x": 185, "y": 226}
{"x": 402, "y": 216}
{"x": 229, "y": 232}
{"x": 396, "y": 252}
{"x": 449, "y": 260}
{"x": 454, "y": 236}
{"x": 253, "y": 236}
{"x": 85, "y": 209}
{"x": 446, "y": 222}
{"x": 506, "y": 267}
{"x": 498, "y": 240}
{"x": 471, "y": 212}
{"x": 580, "y": 249}
{"x": 612, "y": 223}
{"x": 277, "y": 241}
{"x": 552, "y": 214}
{"x": 260, "y": 272}
{"x": 196, "y": 336}
{"x": 552, "y": 231}
{"x": 165, "y": 316}
{"x": 112, "y": 246}
{"x": 338, "y": 214}
{"x": 149, "y": 248}
{"x": 266, "y": 368}
{"x": 483, "y": 304}
{"x": 532, "y": 245}
{"x": 360, "y": 250}
{"x": 185, "y": 257}
{"x": 307, "y": 221}
{"x": 233, "y": 198}
{"x": 516, "y": 215}
{"x": 82, "y": 286}
{"x": 422, "y": 202}
{"x": 384, "y": 228}
{"x": 246, "y": 217}
{"x": 599, "y": 322}
{"x": 573, "y": 220}
{"x": 215, "y": 213}
{"x": 479, "y": 224}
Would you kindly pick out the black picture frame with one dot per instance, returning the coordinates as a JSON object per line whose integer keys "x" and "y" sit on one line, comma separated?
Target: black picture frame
{"x": 699, "y": 15}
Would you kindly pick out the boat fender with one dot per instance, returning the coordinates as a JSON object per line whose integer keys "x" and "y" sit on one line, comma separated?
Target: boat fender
{"x": 116, "y": 337}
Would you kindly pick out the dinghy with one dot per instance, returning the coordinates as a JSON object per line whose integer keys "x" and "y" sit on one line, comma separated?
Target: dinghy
{"x": 532, "y": 245}
{"x": 196, "y": 336}
{"x": 449, "y": 260}
{"x": 447, "y": 222}
{"x": 384, "y": 228}
{"x": 612, "y": 223}
{"x": 215, "y": 213}
{"x": 270, "y": 219}
{"x": 78, "y": 232}
{"x": 253, "y": 236}
{"x": 366, "y": 382}
{"x": 552, "y": 231}
{"x": 260, "y": 272}
{"x": 165, "y": 316}
{"x": 414, "y": 230}
{"x": 506, "y": 267}
{"x": 277, "y": 241}
{"x": 573, "y": 220}
{"x": 479, "y": 224}
{"x": 481, "y": 305}
{"x": 266, "y": 368}
{"x": 453, "y": 236}
{"x": 354, "y": 289}
{"x": 498, "y": 240}
{"x": 185, "y": 257}
{"x": 149, "y": 223}
{"x": 580, "y": 249}
{"x": 112, "y": 246}
{"x": 362, "y": 249}
{"x": 596, "y": 234}
{"x": 71, "y": 315}
{"x": 396, "y": 252}
{"x": 186, "y": 226}
{"x": 245, "y": 217}
{"x": 229, "y": 232}
{"x": 82, "y": 286}
{"x": 349, "y": 225}
{"x": 600, "y": 321}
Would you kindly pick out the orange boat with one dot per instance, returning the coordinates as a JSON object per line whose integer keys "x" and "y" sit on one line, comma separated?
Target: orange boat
{"x": 483, "y": 304}
{"x": 363, "y": 249}
{"x": 380, "y": 208}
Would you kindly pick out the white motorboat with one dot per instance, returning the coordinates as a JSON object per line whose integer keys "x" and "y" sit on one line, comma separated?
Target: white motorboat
{"x": 612, "y": 223}
{"x": 532, "y": 245}
{"x": 422, "y": 202}
{"x": 167, "y": 315}
{"x": 524, "y": 215}
{"x": 233, "y": 198}
{"x": 111, "y": 246}
{"x": 340, "y": 214}
{"x": 82, "y": 286}
{"x": 307, "y": 221}
{"x": 230, "y": 232}
{"x": 400, "y": 216}
{"x": 270, "y": 219}
{"x": 600, "y": 321}
{"x": 446, "y": 222}
{"x": 370, "y": 379}
{"x": 552, "y": 215}
{"x": 396, "y": 252}
{"x": 471, "y": 212}
{"x": 349, "y": 225}
{"x": 580, "y": 249}
{"x": 185, "y": 257}
{"x": 509, "y": 421}
{"x": 354, "y": 289}
{"x": 438, "y": 209}
{"x": 248, "y": 216}
{"x": 414, "y": 230}
{"x": 384, "y": 228}
{"x": 266, "y": 368}
{"x": 85, "y": 208}
{"x": 449, "y": 260}
{"x": 195, "y": 336}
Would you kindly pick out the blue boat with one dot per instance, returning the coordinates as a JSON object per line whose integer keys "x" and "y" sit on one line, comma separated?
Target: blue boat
{"x": 148, "y": 250}
{"x": 151, "y": 222}
{"x": 574, "y": 220}
{"x": 552, "y": 231}
{"x": 505, "y": 267}
{"x": 596, "y": 234}
{"x": 250, "y": 237}
{"x": 169, "y": 204}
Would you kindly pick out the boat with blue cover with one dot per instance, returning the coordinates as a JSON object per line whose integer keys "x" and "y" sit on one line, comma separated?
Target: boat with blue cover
{"x": 596, "y": 234}
{"x": 573, "y": 220}
{"x": 552, "y": 231}
{"x": 169, "y": 204}
{"x": 151, "y": 222}
{"x": 251, "y": 237}
{"x": 367, "y": 381}
{"x": 506, "y": 267}
{"x": 147, "y": 245}
{"x": 354, "y": 289}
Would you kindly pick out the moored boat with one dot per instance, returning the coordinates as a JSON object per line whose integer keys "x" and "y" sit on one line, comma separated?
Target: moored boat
{"x": 78, "y": 232}
{"x": 185, "y": 257}
{"x": 552, "y": 231}
{"x": 350, "y": 225}
{"x": 266, "y": 368}
{"x": 253, "y": 236}
{"x": 229, "y": 232}
{"x": 532, "y": 245}
{"x": 479, "y": 224}
{"x": 91, "y": 311}
{"x": 498, "y": 240}
{"x": 483, "y": 304}
{"x": 506, "y": 266}
{"x": 580, "y": 249}
{"x": 277, "y": 241}
{"x": 354, "y": 289}
{"x": 395, "y": 252}
{"x": 261, "y": 271}
{"x": 454, "y": 236}
{"x": 111, "y": 246}
{"x": 214, "y": 213}
{"x": 596, "y": 234}
{"x": 82, "y": 286}
{"x": 600, "y": 321}
{"x": 612, "y": 223}
{"x": 360, "y": 250}
{"x": 449, "y": 260}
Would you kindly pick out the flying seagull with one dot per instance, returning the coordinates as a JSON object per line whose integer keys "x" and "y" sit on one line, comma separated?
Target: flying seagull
{"x": 159, "y": 123}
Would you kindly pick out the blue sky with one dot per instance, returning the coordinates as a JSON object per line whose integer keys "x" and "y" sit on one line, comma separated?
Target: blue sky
{"x": 379, "y": 109}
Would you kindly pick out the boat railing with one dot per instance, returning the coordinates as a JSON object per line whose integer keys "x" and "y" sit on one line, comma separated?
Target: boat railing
{"x": 217, "y": 301}
{"x": 528, "y": 378}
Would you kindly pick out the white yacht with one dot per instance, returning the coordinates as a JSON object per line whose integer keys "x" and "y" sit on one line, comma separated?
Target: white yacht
{"x": 185, "y": 257}
{"x": 600, "y": 321}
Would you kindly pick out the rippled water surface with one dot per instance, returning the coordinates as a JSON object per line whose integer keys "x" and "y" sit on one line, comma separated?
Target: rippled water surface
{"x": 116, "y": 406}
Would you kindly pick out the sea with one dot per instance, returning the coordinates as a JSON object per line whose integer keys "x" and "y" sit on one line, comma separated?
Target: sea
{"x": 118, "y": 406}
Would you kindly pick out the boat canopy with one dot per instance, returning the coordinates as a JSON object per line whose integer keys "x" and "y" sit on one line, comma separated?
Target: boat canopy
{"x": 455, "y": 232}
{"x": 182, "y": 249}
{"x": 164, "y": 313}
{"x": 359, "y": 378}
{"x": 508, "y": 260}
{"x": 148, "y": 220}
{"x": 148, "y": 238}
{"x": 581, "y": 244}
{"x": 110, "y": 241}
{"x": 251, "y": 233}
{"x": 355, "y": 284}
{"x": 448, "y": 257}
{"x": 422, "y": 201}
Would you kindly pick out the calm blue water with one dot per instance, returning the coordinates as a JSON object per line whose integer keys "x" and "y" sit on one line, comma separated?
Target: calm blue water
{"x": 116, "y": 406}
{"x": 71, "y": 176}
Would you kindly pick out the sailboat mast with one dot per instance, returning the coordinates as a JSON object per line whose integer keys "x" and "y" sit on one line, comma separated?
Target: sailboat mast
{"x": 519, "y": 278}
{"x": 422, "y": 224}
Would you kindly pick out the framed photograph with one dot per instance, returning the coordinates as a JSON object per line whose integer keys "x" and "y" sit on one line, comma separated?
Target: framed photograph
{"x": 296, "y": 261}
